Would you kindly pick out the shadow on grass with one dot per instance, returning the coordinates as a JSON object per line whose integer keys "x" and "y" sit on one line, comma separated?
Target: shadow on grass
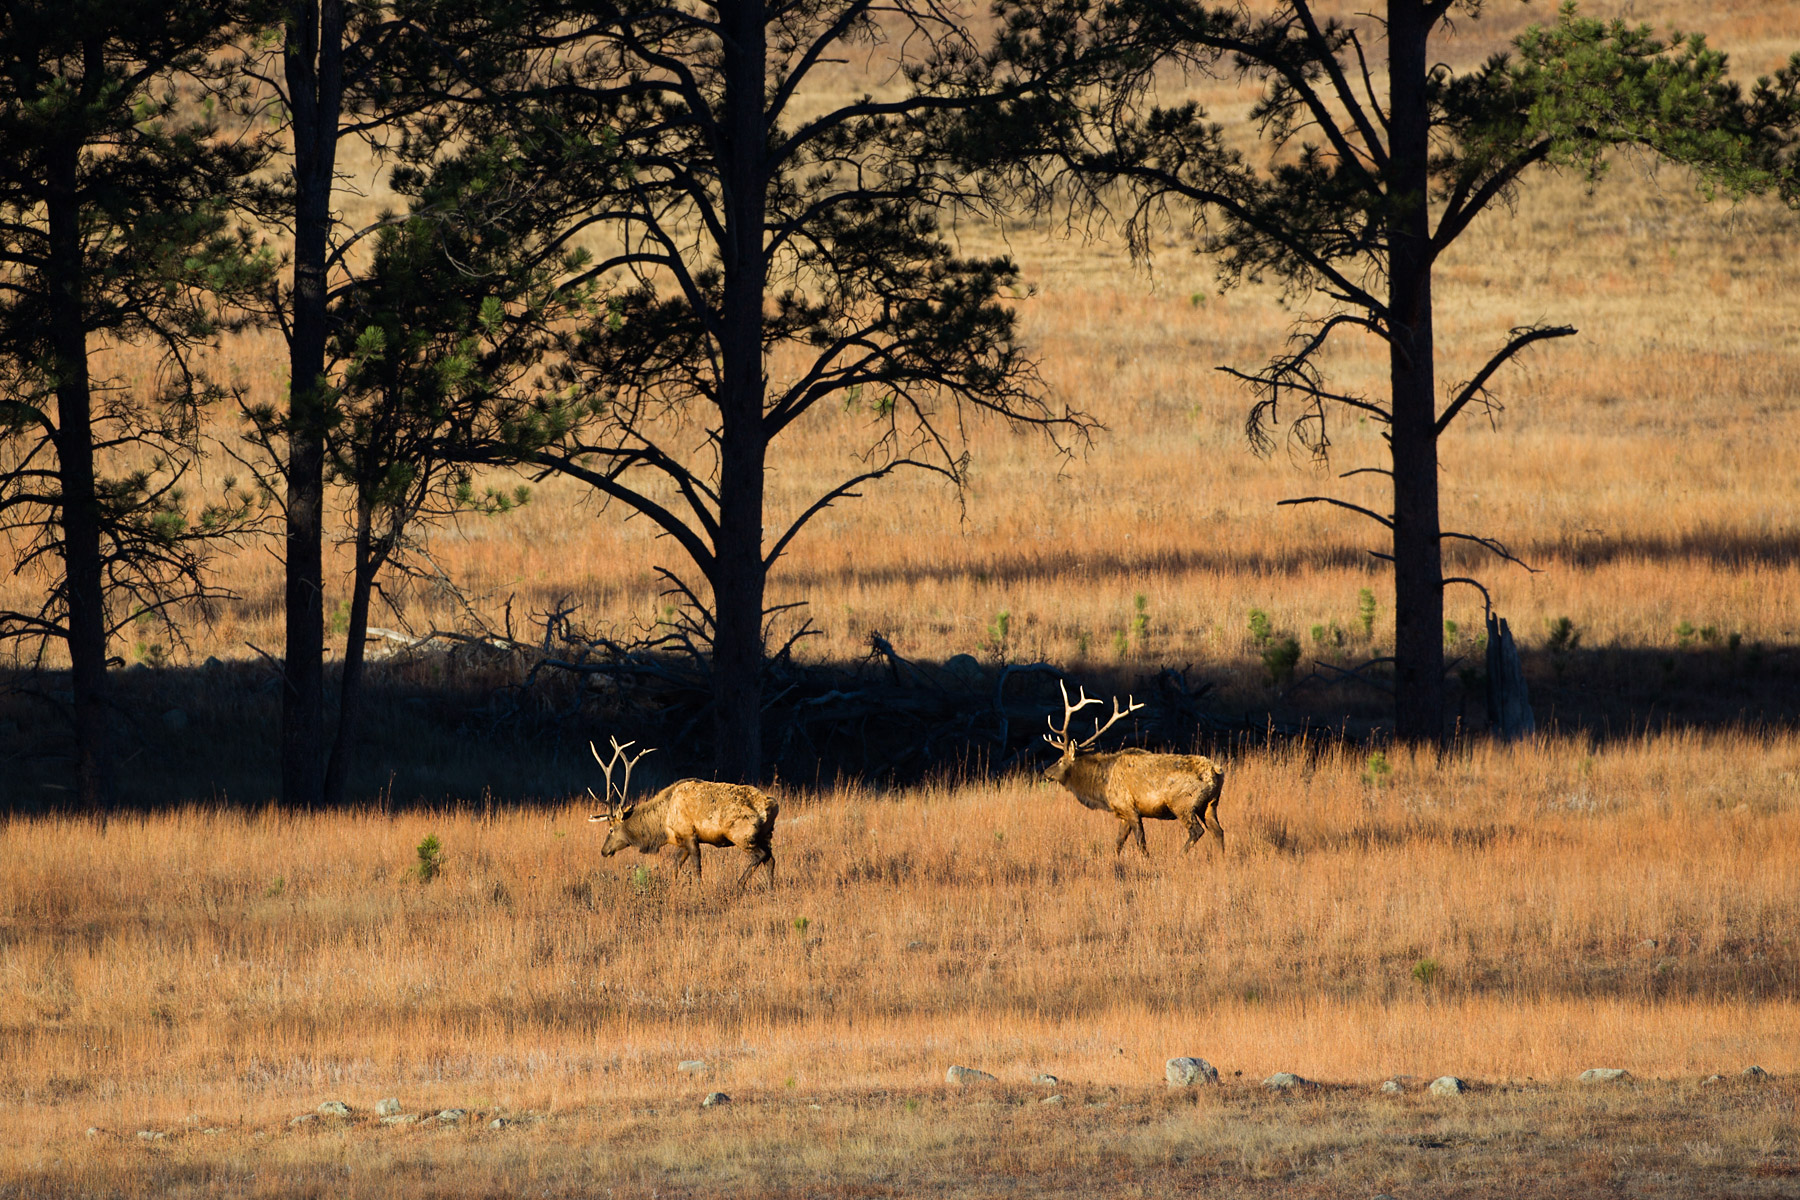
{"x": 435, "y": 733}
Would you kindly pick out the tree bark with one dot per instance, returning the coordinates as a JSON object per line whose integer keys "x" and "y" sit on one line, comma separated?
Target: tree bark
{"x": 1418, "y": 564}
{"x": 81, "y": 518}
{"x": 738, "y": 574}
{"x": 369, "y": 559}
{"x": 313, "y": 65}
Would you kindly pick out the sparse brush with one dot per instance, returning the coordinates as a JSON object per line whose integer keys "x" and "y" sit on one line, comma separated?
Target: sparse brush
{"x": 429, "y": 858}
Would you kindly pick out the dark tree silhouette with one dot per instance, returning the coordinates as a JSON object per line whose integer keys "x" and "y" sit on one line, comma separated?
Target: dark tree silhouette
{"x": 1356, "y": 191}
{"x": 116, "y": 194}
{"x": 339, "y": 73}
{"x": 437, "y": 341}
{"x": 765, "y": 253}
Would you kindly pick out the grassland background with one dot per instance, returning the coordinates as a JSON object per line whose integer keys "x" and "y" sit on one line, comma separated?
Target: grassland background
{"x": 1625, "y": 900}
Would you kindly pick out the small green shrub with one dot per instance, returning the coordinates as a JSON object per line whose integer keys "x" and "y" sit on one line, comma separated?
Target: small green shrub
{"x": 1562, "y": 636}
{"x": 430, "y": 862}
{"x": 340, "y": 618}
{"x": 1365, "y": 611}
{"x": 1378, "y": 771}
{"x": 1140, "y": 621}
{"x": 1279, "y": 660}
{"x": 800, "y": 924}
{"x": 1684, "y": 633}
{"x": 1425, "y": 970}
{"x": 642, "y": 880}
{"x": 1260, "y": 629}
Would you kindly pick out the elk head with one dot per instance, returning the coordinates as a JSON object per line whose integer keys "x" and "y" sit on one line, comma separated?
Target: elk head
{"x": 616, "y": 807}
{"x": 1061, "y": 738}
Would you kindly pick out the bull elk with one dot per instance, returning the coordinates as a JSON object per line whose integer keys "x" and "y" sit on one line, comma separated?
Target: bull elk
{"x": 1135, "y": 784}
{"x": 687, "y": 814}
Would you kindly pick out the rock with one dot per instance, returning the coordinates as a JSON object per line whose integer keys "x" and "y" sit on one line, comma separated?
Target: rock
{"x": 1051, "y": 1100}
{"x": 1185, "y": 1072}
{"x": 1712, "y": 1079}
{"x": 212, "y": 1130}
{"x": 692, "y": 1066}
{"x": 499, "y": 1123}
{"x": 304, "y": 1118}
{"x": 1648, "y": 944}
{"x": 387, "y": 1108}
{"x": 402, "y": 1119}
{"x": 1754, "y": 1074}
{"x": 334, "y": 1108}
{"x": 1604, "y": 1075}
{"x": 93, "y": 1131}
{"x": 152, "y": 1135}
{"x": 967, "y": 1075}
{"x": 915, "y": 945}
{"x": 1284, "y": 1081}
{"x": 1447, "y": 1085}
{"x": 450, "y": 1116}
{"x": 1045, "y": 1080}
{"x": 715, "y": 1099}
{"x": 175, "y": 720}
{"x": 1392, "y": 1086}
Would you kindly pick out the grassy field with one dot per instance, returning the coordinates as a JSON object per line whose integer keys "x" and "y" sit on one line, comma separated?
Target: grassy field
{"x": 1509, "y": 916}
{"x": 1601, "y": 897}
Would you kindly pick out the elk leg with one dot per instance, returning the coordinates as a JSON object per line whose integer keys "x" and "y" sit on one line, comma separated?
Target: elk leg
{"x": 1212, "y": 823}
{"x": 1124, "y": 836}
{"x": 759, "y": 855}
{"x": 1137, "y": 829}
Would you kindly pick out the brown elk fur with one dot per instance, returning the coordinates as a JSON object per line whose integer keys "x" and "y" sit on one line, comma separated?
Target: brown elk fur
{"x": 1135, "y": 784}
{"x": 693, "y": 813}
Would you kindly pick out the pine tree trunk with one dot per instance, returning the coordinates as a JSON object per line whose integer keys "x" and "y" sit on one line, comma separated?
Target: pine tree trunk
{"x": 1418, "y": 565}
{"x": 350, "y": 689}
{"x": 80, "y": 513}
{"x": 313, "y": 58}
{"x": 738, "y": 574}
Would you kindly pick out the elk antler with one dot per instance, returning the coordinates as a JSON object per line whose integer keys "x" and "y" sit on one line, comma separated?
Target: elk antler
{"x": 615, "y": 807}
{"x": 1060, "y": 737}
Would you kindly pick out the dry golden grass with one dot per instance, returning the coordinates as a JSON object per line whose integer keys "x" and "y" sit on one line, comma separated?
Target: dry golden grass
{"x": 1628, "y": 907}
{"x": 202, "y": 969}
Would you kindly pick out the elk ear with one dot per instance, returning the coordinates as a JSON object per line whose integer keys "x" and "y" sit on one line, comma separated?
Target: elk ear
{"x": 626, "y": 812}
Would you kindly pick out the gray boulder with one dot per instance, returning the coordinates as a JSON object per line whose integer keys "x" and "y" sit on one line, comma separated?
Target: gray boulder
{"x": 1057, "y": 1099}
{"x": 304, "y": 1119}
{"x": 450, "y": 1116}
{"x": 1045, "y": 1080}
{"x": 387, "y": 1108}
{"x": 499, "y": 1123}
{"x": 1392, "y": 1086}
{"x": 1754, "y": 1074}
{"x": 1447, "y": 1085}
{"x": 691, "y": 1066}
{"x": 715, "y": 1099}
{"x": 1286, "y": 1081}
{"x": 152, "y": 1135}
{"x": 1186, "y": 1072}
{"x": 1603, "y": 1075}
{"x": 402, "y": 1119}
{"x": 334, "y": 1108}
{"x": 967, "y": 1075}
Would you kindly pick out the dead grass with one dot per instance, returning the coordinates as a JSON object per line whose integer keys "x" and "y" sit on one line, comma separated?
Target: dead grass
{"x": 1629, "y": 907}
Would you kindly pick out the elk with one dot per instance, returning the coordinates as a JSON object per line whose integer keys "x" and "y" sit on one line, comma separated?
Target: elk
{"x": 1135, "y": 784}
{"x": 687, "y": 814}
